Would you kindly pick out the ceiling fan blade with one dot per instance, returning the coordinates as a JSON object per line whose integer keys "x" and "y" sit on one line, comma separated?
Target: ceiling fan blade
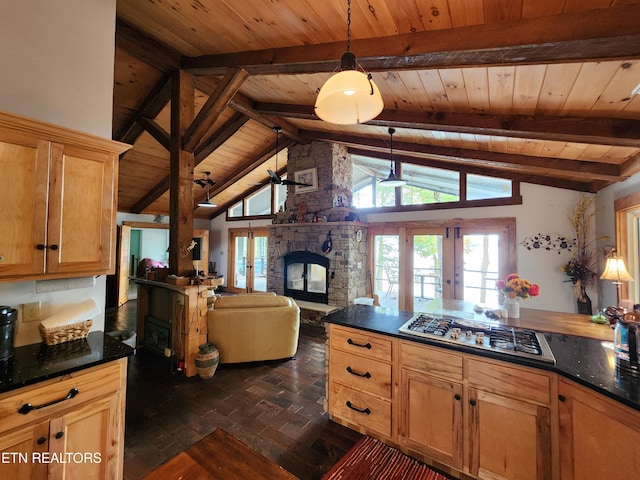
{"x": 291, "y": 182}
{"x": 274, "y": 177}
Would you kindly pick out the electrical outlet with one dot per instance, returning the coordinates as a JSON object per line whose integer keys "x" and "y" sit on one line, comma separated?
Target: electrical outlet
{"x": 180, "y": 300}
{"x": 31, "y": 312}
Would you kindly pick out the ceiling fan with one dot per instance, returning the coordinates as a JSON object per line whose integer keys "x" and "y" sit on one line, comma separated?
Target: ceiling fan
{"x": 273, "y": 176}
{"x": 203, "y": 182}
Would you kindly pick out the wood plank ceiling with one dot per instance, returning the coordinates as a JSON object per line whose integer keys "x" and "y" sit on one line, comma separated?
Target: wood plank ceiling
{"x": 533, "y": 90}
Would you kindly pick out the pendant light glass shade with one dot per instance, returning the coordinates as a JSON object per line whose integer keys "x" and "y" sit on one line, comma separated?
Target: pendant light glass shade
{"x": 392, "y": 180}
{"x": 350, "y": 96}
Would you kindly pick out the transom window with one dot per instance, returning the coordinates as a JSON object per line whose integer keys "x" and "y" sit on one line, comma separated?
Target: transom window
{"x": 424, "y": 185}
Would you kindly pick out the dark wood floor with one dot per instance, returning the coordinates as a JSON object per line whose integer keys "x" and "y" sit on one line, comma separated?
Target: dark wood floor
{"x": 274, "y": 407}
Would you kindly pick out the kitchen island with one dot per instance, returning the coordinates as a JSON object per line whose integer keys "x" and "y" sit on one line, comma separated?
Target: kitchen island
{"x": 62, "y": 409}
{"x": 482, "y": 414}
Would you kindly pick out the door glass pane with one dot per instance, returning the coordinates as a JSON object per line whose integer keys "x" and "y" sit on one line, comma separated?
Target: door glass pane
{"x": 386, "y": 269}
{"x": 480, "y": 272}
{"x": 259, "y": 264}
{"x": 240, "y": 263}
{"x": 427, "y": 270}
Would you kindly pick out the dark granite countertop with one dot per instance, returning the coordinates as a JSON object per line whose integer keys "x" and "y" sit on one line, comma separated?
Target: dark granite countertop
{"x": 587, "y": 361}
{"x": 33, "y": 363}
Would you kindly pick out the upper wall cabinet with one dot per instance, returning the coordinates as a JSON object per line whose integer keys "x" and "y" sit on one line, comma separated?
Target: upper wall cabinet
{"x": 58, "y": 201}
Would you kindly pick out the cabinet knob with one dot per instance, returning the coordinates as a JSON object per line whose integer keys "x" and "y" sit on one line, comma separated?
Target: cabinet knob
{"x": 41, "y": 246}
{"x": 562, "y": 398}
{"x": 41, "y": 440}
{"x": 53, "y": 247}
{"x": 457, "y": 397}
{"x": 59, "y": 435}
{"x": 472, "y": 403}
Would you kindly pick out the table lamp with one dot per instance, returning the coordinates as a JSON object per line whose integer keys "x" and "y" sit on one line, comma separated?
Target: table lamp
{"x": 616, "y": 270}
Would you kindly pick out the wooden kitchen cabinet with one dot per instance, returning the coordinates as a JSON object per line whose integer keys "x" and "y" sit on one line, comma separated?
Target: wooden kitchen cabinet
{"x": 59, "y": 197}
{"x": 508, "y": 421}
{"x": 431, "y": 394}
{"x": 480, "y": 417}
{"x": 77, "y": 437}
{"x": 599, "y": 437}
{"x": 361, "y": 383}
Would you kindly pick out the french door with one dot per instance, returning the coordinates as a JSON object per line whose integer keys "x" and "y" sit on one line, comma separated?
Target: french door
{"x": 248, "y": 259}
{"x": 415, "y": 264}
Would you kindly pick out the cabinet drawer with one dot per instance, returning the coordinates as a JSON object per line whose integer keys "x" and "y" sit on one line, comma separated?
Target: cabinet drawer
{"x": 359, "y": 408}
{"x": 92, "y": 383}
{"x": 360, "y": 373}
{"x": 510, "y": 380}
{"x": 437, "y": 362}
{"x": 360, "y": 342}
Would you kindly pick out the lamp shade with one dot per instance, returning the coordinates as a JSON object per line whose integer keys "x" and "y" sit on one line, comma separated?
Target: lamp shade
{"x": 347, "y": 98}
{"x": 616, "y": 270}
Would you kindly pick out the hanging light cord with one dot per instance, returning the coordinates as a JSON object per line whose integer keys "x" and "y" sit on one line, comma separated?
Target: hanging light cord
{"x": 348, "y": 25}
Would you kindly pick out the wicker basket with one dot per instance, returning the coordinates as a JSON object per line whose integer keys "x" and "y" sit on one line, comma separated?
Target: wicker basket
{"x": 75, "y": 331}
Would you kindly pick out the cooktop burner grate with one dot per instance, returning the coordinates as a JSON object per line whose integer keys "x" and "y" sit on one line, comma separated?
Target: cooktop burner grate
{"x": 483, "y": 335}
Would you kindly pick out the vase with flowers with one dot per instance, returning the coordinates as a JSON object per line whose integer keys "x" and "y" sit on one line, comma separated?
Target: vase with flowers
{"x": 581, "y": 266}
{"x": 514, "y": 288}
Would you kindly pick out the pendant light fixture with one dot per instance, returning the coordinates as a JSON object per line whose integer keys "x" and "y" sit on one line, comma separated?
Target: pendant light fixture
{"x": 350, "y": 96}
{"x": 207, "y": 202}
{"x": 392, "y": 180}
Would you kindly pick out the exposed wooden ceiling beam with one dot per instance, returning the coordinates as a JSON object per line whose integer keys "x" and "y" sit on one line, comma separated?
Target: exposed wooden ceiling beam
{"x": 244, "y": 105}
{"x": 582, "y": 36}
{"x": 145, "y": 48}
{"x": 157, "y": 132}
{"x": 588, "y": 170}
{"x": 213, "y": 107}
{"x": 605, "y": 131}
{"x": 151, "y": 106}
{"x": 217, "y": 139}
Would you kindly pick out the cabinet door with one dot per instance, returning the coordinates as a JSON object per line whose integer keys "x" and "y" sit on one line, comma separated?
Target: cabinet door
{"x": 21, "y": 450}
{"x": 599, "y": 437}
{"x": 431, "y": 417}
{"x": 24, "y": 168}
{"x": 88, "y": 439}
{"x": 509, "y": 439}
{"x": 81, "y": 230}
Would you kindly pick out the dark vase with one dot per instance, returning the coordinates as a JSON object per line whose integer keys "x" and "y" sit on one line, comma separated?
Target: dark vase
{"x": 584, "y": 306}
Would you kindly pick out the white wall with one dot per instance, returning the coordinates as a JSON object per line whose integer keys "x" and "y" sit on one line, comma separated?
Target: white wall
{"x": 605, "y": 225}
{"x": 544, "y": 210}
{"x": 56, "y": 62}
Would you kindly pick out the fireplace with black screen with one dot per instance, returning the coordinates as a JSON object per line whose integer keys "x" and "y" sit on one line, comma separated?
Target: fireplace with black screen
{"x": 306, "y": 276}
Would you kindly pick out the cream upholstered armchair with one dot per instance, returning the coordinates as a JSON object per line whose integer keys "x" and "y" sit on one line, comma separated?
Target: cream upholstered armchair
{"x": 253, "y": 327}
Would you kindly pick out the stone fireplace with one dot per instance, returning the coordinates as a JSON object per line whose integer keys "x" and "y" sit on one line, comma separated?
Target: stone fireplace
{"x": 311, "y": 218}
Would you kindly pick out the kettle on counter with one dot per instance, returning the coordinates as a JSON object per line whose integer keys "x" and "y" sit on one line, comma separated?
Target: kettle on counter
{"x": 627, "y": 342}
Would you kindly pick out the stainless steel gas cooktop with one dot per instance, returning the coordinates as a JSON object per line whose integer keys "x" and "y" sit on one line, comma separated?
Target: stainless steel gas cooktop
{"x": 472, "y": 333}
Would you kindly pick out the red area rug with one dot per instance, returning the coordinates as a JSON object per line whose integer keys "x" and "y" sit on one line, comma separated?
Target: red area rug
{"x": 371, "y": 459}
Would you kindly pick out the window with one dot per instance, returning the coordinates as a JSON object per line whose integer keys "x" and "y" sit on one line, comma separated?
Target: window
{"x": 259, "y": 203}
{"x": 235, "y": 211}
{"x": 426, "y": 186}
{"x": 429, "y": 185}
{"x": 265, "y": 202}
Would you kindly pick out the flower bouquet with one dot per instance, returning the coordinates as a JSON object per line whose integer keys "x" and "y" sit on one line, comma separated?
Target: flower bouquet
{"x": 515, "y": 287}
